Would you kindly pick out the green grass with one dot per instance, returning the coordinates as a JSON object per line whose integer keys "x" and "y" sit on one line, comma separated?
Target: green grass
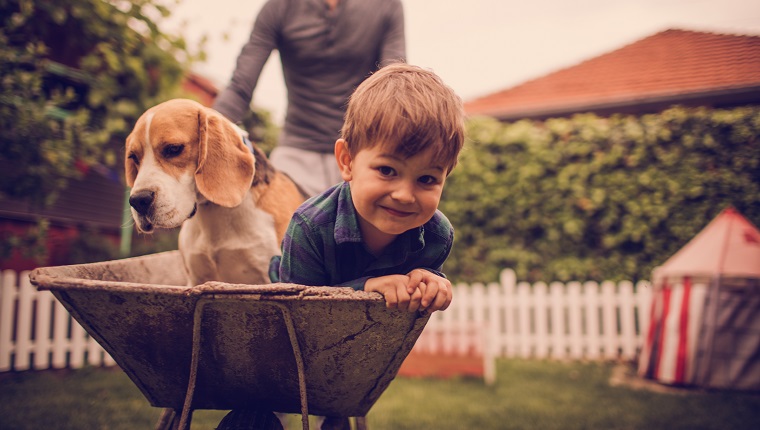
{"x": 529, "y": 394}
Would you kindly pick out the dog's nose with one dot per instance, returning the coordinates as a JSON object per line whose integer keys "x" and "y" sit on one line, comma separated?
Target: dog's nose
{"x": 142, "y": 201}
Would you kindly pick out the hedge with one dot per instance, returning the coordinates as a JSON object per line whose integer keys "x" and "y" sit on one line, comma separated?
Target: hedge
{"x": 592, "y": 198}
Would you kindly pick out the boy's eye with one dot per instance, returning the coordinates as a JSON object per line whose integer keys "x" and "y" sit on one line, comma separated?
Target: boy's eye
{"x": 386, "y": 171}
{"x": 427, "y": 180}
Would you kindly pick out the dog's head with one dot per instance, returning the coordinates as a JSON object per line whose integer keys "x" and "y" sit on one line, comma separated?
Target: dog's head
{"x": 177, "y": 151}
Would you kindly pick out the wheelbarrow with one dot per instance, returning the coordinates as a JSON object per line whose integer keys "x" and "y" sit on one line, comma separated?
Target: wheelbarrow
{"x": 278, "y": 347}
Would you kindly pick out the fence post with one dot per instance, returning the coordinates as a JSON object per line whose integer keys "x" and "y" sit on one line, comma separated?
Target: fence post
{"x": 8, "y": 293}
{"x": 447, "y": 323}
{"x": 459, "y": 340}
{"x": 42, "y": 342}
{"x": 643, "y": 310}
{"x": 507, "y": 335}
{"x": 492, "y": 342}
{"x": 575, "y": 315}
{"x": 522, "y": 312}
{"x": 541, "y": 330}
{"x": 559, "y": 328}
{"x": 24, "y": 322}
{"x": 609, "y": 320}
{"x": 591, "y": 296}
{"x": 60, "y": 336}
{"x": 627, "y": 320}
{"x": 477, "y": 327}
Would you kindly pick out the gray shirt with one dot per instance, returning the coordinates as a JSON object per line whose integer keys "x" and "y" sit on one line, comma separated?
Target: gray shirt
{"x": 325, "y": 55}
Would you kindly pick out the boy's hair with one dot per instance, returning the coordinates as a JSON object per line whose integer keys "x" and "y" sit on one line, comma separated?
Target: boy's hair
{"x": 409, "y": 108}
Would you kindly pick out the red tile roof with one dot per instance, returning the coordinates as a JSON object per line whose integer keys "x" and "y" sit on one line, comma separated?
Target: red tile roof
{"x": 670, "y": 66}
{"x": 201, "y": 87}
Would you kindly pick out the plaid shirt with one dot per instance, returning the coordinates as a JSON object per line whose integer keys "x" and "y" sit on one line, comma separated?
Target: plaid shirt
{"x": 323, "y": 245}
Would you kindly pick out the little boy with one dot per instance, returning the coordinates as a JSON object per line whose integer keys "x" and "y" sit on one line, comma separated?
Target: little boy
{"x": 380, "y": 229}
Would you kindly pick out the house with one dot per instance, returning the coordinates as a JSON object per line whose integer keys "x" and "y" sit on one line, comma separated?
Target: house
{"x": 688, "y": 68}
{"x": 200, "y": 87}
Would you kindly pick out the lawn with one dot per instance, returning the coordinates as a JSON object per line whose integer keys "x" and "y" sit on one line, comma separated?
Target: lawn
{"x": 529, "y": 394}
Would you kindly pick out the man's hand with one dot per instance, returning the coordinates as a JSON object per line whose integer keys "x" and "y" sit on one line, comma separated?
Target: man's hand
{"x": 394, "y": 289}
{"x": 436, "y": 291}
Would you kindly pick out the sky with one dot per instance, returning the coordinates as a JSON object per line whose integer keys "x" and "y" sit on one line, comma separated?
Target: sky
{"x": 477, "y": 46}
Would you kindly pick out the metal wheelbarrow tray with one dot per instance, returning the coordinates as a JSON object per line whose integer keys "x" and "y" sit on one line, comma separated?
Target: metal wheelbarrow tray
{"x": 281, "y": 347}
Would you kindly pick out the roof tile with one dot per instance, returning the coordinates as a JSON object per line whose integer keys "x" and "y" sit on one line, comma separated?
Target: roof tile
{"x": 672, "y": 62}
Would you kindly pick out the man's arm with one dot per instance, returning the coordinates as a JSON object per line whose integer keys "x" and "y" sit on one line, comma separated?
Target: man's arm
{"x": 234, "y": 101}
{"x": 393, "y": 47}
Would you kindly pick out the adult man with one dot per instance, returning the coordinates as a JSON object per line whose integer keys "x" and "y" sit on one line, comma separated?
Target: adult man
{"x": 327, "y": 48}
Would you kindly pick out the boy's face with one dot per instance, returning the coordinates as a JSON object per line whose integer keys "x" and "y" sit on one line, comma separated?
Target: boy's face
{"x": 392, "y": 194}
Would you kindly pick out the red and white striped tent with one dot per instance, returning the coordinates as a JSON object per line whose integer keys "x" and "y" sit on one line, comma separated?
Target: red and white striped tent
{"x": 705, "y": 315}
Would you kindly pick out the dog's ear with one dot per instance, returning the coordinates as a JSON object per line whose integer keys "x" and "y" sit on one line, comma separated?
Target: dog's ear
{"x": 225, "y": 165}
{"x": 130, "y": 169}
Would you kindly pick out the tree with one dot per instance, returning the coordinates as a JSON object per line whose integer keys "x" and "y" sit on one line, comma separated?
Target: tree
{"x": 74, "y": 77}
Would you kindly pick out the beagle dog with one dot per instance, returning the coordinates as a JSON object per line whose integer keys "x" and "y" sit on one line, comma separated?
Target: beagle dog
{"x": 189, "y": 166}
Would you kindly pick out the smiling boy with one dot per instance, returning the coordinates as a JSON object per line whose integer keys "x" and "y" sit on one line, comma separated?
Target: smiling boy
{"x": 380, "y": 230}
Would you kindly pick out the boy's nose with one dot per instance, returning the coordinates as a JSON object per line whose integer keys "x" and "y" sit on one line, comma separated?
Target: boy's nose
{"x": 404, "y": 193}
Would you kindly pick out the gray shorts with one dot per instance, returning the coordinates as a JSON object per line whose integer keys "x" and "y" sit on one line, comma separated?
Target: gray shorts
{"x": 313, "y": 171}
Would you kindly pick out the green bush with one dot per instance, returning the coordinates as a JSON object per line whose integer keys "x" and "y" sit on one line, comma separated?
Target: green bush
{"x": 74, "y": 77}
{"x": 597, "y": 198}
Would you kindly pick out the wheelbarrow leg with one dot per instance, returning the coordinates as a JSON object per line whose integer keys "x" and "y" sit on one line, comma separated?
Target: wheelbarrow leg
{"x": 168, "y": 420}
{"x": 361, "y": 423}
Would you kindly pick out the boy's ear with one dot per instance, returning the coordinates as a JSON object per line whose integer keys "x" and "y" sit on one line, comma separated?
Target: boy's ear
{"x": 343, "y": 157}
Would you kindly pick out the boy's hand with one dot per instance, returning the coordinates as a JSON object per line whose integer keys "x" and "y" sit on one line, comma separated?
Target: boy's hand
{"x": 436, "y": 290}
{"x": 394, "y": 289}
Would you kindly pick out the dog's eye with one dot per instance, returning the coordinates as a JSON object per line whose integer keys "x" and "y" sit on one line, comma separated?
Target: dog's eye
{"x": 171, "y": 151}
{"x": 133, "y": 157}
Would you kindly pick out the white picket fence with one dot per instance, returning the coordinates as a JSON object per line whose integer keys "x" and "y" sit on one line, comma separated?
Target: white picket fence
{"x": 506, "y": 319}
{"x": 560, "y": 321}
{"x": 36, "y": 331}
